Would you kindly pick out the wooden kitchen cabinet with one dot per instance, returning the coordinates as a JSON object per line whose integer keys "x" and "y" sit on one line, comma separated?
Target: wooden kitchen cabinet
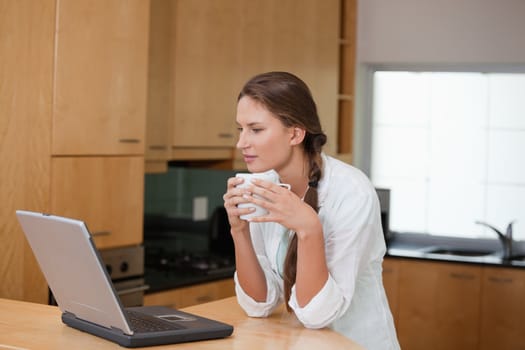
{"x": 347, "y": 68}
{"x": 26, "y": 94}
{"x": 301, "y": 37}
{"x": 192, "y": 295}
{"x": 160, "y": 93}
{"x": 438, "y": 305}
{"x": 503, "y": 308}
{"x": 206, "y": 81}
{"x": 105, "y": 192}
{"x": 216, "y": 47}
{"x": 100, "y": 77}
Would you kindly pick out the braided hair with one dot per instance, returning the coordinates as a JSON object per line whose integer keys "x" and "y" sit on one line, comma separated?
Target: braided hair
{"x": 290, "y": 99}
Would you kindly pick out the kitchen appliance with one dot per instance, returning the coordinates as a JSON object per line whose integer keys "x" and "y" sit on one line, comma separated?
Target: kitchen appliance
{"x": 384, "y": 201}
{"x": 220, "y": 238}
{"x": 181, "y": 252}
{"x": 125, "y": 266}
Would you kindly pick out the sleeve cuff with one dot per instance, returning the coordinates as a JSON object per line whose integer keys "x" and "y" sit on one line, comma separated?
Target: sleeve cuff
{"x": 323, "y": 309}
{"x": 254, "y": 308}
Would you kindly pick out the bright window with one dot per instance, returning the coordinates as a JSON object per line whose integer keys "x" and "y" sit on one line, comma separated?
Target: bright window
{"x": 451, "y": 147}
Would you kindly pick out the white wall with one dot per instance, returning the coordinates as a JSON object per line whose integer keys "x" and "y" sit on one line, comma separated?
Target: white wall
{"x": 432, "y": 34}
{"x": 441, "y": 31}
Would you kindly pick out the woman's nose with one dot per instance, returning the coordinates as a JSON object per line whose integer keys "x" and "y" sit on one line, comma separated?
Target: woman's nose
{"x": 242, "y": 142}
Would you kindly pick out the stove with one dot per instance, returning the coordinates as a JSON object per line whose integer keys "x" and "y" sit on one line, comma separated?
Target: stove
{"x": 180, "y": 252}
{"x": 183, "y": 262}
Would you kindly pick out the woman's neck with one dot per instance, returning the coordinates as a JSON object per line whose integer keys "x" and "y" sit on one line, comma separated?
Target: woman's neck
{"x": 296, "y": 175}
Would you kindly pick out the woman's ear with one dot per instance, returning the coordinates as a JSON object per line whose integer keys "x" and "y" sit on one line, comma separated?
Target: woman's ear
{"x": 297, "y": 136}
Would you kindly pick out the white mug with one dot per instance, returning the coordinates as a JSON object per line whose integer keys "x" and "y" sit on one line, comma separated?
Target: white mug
{"x": 268, "y": 176}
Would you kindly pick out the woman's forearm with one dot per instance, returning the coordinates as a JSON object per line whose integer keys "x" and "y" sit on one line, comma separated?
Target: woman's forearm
{"x": 312, "y": 272}
{"x": 249, "y": 272}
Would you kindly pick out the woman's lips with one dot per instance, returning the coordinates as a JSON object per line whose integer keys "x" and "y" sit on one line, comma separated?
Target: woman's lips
{"x": 249, "y": 159}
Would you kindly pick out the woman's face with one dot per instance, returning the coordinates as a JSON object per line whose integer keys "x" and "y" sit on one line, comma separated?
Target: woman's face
{"x": 264, "y": 141}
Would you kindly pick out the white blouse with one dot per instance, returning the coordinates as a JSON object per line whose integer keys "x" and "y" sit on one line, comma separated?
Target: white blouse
{"x": 353, "y": 300}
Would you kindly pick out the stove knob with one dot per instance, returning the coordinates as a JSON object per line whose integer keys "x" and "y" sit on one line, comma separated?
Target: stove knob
{"x": 124, "y": 267}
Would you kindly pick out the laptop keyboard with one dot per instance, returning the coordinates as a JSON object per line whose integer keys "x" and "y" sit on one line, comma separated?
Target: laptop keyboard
{"x": 142, "y": 323}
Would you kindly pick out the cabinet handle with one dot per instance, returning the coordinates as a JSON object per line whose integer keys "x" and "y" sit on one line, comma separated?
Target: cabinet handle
{"x": 225, "y": 135}
{"x": 129, "y": 140}
{"x": 462, "y": 276}
{"x": 101, "y": 233}
{"x": 158, "y": 147}
{"x": 500, "y": 279}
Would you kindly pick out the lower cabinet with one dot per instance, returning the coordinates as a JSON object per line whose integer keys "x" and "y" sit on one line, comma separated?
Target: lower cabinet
{"x": 105, "y": 192}
{"x": 438, "y": 305}
{"x": 503, "y": 309}
{"x": 442, "y": 305}
{"x": 192, "y": 295}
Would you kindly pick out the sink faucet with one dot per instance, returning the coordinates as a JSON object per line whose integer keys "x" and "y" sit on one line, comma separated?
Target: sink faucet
{"x": 506, "y": 239}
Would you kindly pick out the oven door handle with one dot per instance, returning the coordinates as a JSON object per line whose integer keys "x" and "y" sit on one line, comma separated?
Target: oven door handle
{"x": 133, "y": 290}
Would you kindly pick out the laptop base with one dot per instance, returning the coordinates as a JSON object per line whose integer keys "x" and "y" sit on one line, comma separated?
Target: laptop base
{"x": 212, "y": 330}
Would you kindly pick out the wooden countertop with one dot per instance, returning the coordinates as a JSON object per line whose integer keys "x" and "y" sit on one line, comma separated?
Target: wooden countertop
{"x": 26, "y": 325}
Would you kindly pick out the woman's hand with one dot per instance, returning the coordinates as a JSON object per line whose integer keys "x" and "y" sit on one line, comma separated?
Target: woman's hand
{"x": 283, "y": 206}
{"x": 232, "y": 198}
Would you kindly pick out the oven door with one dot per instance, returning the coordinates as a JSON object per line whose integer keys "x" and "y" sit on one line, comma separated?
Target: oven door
{"x": 131, "y": 291}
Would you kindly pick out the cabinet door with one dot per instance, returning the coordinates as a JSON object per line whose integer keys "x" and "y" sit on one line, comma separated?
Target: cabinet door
{"x": 105, "y": 192}
{"x": 26, "y": 80}
{"x": 438, "y": 305}
{"x": 503, "y": 309}
{"x": 299, "y": 36}
{"x": 158, "y": 123}
{"x": 192, "y": 295}
{"x": 100, "y": 77}
{"x": 391, "y": 268}
{"x": 207, "y": 292}
{"x": 206, "y": 79}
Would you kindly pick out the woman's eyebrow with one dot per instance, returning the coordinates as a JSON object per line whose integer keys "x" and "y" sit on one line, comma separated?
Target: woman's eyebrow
{"x": 250, "y": 124}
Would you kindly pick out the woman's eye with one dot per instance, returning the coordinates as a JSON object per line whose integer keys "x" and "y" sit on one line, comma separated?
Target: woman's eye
{"x": 256, "y": 130}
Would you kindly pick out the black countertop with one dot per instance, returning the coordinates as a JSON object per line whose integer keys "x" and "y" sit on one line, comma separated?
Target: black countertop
{"x": 421, "y": 246}
{"x": 401, "y": 245}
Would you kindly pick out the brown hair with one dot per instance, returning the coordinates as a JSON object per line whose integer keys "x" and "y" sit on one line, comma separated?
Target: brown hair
{"x": 290, "y": 99}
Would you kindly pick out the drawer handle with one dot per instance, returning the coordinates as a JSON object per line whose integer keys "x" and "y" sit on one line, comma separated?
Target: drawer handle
{"x": 500, "y": 279}
{"x": 225, "y": 135}
{"x": 101, "y": 233}
{"x": 129, "y": 140}
{"x": 158, "y": 147}
{"x": 462, "y": 276}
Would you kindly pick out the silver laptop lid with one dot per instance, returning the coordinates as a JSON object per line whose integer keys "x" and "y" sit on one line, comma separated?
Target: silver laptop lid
{"x": 72, "y": 267}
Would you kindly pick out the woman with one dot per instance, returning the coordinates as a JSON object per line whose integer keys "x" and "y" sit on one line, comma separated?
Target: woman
{"x": 320, "y": 247}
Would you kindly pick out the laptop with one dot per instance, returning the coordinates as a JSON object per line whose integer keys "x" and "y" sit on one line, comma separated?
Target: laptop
{"x": 85, "y": 294}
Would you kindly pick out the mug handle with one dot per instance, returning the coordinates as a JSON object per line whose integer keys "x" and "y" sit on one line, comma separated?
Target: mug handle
{"x": 285, "y": 186}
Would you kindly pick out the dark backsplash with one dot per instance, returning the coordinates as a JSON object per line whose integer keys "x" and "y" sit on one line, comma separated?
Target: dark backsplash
{"x": 171, "y": 194}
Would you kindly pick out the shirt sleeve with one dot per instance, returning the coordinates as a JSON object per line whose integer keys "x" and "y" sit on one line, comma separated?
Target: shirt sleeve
{"x": 349, "y": 224}
{"x": 274, "y": 296}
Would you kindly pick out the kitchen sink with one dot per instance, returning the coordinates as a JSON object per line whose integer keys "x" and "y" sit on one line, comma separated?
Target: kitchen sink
{"x": 460, "y": 252}
{"x": 518, "y": 258}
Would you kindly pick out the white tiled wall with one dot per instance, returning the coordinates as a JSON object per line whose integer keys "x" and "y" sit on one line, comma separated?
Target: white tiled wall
{"x": 450, "y": 146}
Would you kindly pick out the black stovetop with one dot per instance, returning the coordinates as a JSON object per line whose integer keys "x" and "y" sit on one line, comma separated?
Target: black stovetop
{"x": 167, "y": 267}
